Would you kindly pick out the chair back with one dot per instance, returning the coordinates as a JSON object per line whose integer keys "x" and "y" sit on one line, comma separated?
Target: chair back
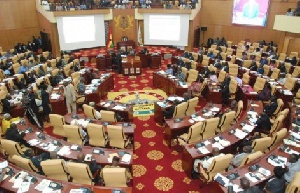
{"x": 24, "y": 163}
{"x": 290, "y": 83}
{"x": 282, "y": 57}
{"x": 275, "y": 74}
{"x": 233, "y": 85}
{"x": 296, "y": 72}
{"x": 194, "y": 132}
{"x": 192, "y": 103}
{"x": 75, "y": 75}
{"x": 246, "y": 78}
{"x": 11, "y": 148}
{"x": 185, "y": 71}
{"x": 240, "y": 106}
{"x": 259, "y": 84}
{"x": 116, "y": 136}
{"x": 97, "y": 136}
{"x": 55, "y": 169}
{"x": 81, "y": 173}
{"x": 219, "y": 165}
{"x": 277, "y": 124}
{"x": 247, "y": 63}
{"x": 89, "y": 111}
{"x": 16, "y": 67}
{"x": 73, "y": 134}
{"x": 57, "y": 121}
{"x": 266, "y": 70}
{"x": 108, "y": 116}
{"x": 293, "y": 54}
{"x": 180, "y": 110}
{"x": 261, "y": 144}
{"x": 222, "y": 75}
{"x": 279, "y": 106}
{"x": 288, "y": 67}
{"x": 115, "y": 177}
{"x": 229, "y": 51}
{"x": 193, "y": 75}
{"x": 233, "y": 69}
{"x": 209, "y": 127}
{"x": 226, "y": 121}
{"x": 294, "y": 185}
{"x": 251, "y": 157}
{"x": 278, "y": 137}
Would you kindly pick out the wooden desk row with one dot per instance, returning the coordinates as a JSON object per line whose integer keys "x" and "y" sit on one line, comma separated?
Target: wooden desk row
{"x": 190, "y": 153}
{"x": 168, "y": 85}
{"x": 100, "y": 159}
{"x": 263, "y": 161}
{"x": 59, "y": 105}
{"x": 6, "y": 185}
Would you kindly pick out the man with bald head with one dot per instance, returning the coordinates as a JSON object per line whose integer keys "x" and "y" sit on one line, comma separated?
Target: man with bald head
{"x": 206, "y": 162}
{"x": 94, "y": 167}
{"x": 245, "y": 185}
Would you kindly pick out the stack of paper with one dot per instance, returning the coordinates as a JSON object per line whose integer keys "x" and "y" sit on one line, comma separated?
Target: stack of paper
{"x": 54, "y": 96}
{"x": 215, "y": 109}
{"x": 33, "y": 142}
{"x": 224, "y": 142}
{"x": 240, "y": 134}
{"x": 248, "y": 128}
{"x": 290, "y": 142}
{"x": 264, "y": 171}
{"x": 126, "y": 158}
{"x": 278, "y": 161}
{"x": 252, "y": 177}
{"x": 118, "y": 107}
{"x": 217, "y": 145}
{"x": 24, "y": 187}
{"x": 42, "y": 185}
{"x": 65, "y": 150}
{"x": 203, "y": 150}
{"x": 198, "y": 118}
{"x": 253, "y": 92}
{"x": 88, "y": 91}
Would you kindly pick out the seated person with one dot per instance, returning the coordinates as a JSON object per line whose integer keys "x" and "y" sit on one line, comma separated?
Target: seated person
{"x": 195, "y": 87}
{"x": 277, "y": 183}
{"x": 13, "y": 134}
{"x": 211, "y": 55}
{"x": 36, "y": 160}
{"x": 225, "y": 91}
{"x": 7, "y": 121}
{"x": 185, "y": 54}
{"x": 218, "y": 64}
{"x": 213, "y": 77}
{"x": 168, "y": 112}
{"x": 81, "y": 86}
{"x": 169, "y": 70}
{"x": 245, "y": 185}
{"x": 281, "y": 67}
{"x": 71, "y": 71}
{"x": 115, "y": 164}
{"x": 253, "y": 66}
{"x": 94, "y": 167}
{"x": 265, "y": 94}
{"x": 225, "y": 67}
{"x": 180, "y": 75}
{"x": 292, "y": 167}
{"x": 237, "y": 160}
{"x": 186, "y": 96}
{"x": 98, "y": 115}
{"x": 206, "y": 162}
{"x": 41, "y": 71}
{"x": 6, "y": 104}
{"x": 23, "y": 68}
{"x": 191, "y": 57}
{"x": 263, "y": 123}
{"x": 271, "y": 108}
{"x": 294, "y": 61}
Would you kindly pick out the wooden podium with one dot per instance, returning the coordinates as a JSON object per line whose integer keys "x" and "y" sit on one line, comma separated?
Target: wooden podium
{"x": 100, "y": 61}
{"x": 155, "y": 61}
{"x": 131, "y": 67}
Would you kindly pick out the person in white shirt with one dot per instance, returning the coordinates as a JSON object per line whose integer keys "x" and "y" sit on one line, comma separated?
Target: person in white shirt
{"x": 293, "y": 166}
{"x": 206, "y": 162}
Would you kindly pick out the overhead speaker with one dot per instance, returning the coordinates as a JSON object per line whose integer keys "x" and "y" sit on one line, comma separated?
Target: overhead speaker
{"x": 203, "y": 28}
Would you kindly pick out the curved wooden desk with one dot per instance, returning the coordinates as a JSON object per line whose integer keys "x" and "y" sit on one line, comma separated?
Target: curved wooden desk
{"x": 172, "y": 129}
{"x": 126, "y": 114}
{"x": 100, "y": 159}
{"x": 67, "y": 186}
{"x": 190, "y": 153}
{"x": 167, "y": 85}
{"x": 129, "y": 130}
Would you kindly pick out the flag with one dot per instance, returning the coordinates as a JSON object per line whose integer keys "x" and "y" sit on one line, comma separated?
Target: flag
{"x": 140, "y": 39}
{"x": 110, "y": 43}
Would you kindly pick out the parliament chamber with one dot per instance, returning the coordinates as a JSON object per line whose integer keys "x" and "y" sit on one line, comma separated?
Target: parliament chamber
{"x": 115, "y": 96}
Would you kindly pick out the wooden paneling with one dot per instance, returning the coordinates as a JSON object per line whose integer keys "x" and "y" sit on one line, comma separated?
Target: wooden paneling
{"x": 124, "y": 24}
{"x": 216, "y": 15}
{"x": 18, "y": 22}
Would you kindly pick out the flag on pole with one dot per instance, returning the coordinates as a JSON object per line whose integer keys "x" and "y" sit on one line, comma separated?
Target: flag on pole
{"x": 140, "y": 39}
{"x": 110, "y": 43}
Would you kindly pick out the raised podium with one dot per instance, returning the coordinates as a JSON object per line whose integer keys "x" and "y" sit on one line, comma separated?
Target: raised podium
{"x": 155, "y": 61}
{"x": 131, "y": 66}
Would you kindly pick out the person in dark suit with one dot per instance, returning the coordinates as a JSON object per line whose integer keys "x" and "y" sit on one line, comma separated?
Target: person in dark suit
{"x": 45, "y": 102}
{"x": 218, "y": 64}
{"x": 36, "y": 160}
{"x": 94, "y": 167}
{"x": 281, "y": 67}
{"x": 253, "y": 66}
{"x": 6, "y": 104}
{"x": 13, "y": 134}
{"x": 271, "y": 108}
{"x": 191, "y": 57}
{"x": 263, "y": 123}
{"x": 294, "y": 61}
{"x": 245, "y": 185}
{"x": 168, "y": 112}
{"x": 225, "y": 91}
{"x": 276, "y": 184}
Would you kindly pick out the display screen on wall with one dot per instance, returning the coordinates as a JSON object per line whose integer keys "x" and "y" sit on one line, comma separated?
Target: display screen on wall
{"x": 250, "y": 12}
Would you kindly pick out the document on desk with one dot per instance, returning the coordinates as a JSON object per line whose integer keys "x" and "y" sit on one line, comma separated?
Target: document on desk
{"x": 254, "y": 105}
{"x": 118, "y": 107}
{"x": 264, "y": 171}
{"x": 221, "y": 179}
{"x": 252, "y": 177}
{"x": 65, "y": 150}
{"x": 278, "y": 161}
{"x": 54, "y": 96}
{"x": 248, "y": 128}
{"x": 252, "y": 113}
{"x": 33, "y": 142}
{"x": 76, "y": 191}
{"x": 42, "y": 185}
{"x": 126, "y": 158}
{"x": 217, "y": 145}
{"x": 224, "y": 143}
{"x": 215, "y": 109}
{"x": 17, "y": 183}
{"x": 24, "y": 187}
{"x": 253, "y": 92}
{"x": 290, "y": 142}
{"x": 240, "y": 134}
{"x": 3, "y": 164}
{"x": 203, "y": 150}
